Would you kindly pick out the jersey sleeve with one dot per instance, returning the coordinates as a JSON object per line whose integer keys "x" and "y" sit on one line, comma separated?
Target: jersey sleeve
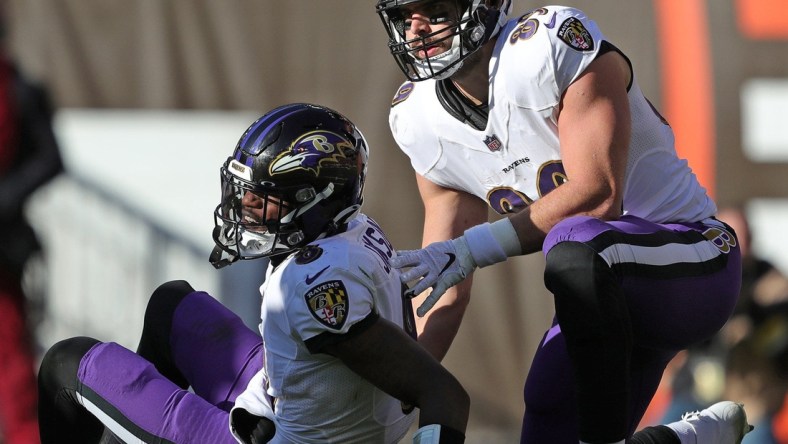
{"x": 412, "y": 109}
{"x": 337, "y": 304}
{"x": 575, "y": 41}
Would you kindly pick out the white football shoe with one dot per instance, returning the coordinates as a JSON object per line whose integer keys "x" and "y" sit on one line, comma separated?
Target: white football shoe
{"x": 723, "y": 423}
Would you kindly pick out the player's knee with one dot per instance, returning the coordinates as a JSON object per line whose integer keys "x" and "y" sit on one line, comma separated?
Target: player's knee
{"x": 587, "y": 291}
{"x": 60, "y": 364}
{"x": 165, "y": 300}
{"x": 577, "y": 276}
{"x": 570, "y": 270}
{"x": 174, "y": 290}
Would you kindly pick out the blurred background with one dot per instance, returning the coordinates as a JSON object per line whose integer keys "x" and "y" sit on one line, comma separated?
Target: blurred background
{"x": 150, "y": 96}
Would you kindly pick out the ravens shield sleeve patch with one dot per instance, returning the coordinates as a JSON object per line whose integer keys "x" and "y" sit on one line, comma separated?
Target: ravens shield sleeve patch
{"x": 329, "y": 303}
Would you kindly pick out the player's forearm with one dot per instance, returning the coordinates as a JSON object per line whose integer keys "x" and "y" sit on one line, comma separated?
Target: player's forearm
{"x": 437, "y": 330}
{"x": 448, "y": 407}
{"x": 570, "y": 199}
{"x": 443, "y": 411}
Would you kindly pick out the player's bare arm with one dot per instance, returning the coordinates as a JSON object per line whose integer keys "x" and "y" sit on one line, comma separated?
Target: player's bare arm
{"x": 593, "y": 131}
{"x": 447, "y": 214}
{"x": 391, "y": 360}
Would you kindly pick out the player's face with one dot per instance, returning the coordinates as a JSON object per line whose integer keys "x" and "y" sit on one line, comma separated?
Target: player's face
{"x": 256, "y": 210}
{"x": 427, "y": 25}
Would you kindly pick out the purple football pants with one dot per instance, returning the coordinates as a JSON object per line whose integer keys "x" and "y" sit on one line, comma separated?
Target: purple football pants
{"x": 678, "y": 284}
{"x": 216, "y": 353}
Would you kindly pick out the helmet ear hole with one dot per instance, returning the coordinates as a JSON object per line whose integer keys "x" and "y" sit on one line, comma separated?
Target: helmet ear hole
{"x": 295, "y": 238}
{"x": 305, "y": 195}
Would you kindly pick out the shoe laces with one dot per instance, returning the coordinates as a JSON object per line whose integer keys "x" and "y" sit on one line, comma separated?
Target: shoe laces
{"x": 690, "y": 415}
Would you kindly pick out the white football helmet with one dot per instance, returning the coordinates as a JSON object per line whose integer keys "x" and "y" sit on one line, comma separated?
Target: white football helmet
{"x": 480, "y": 20}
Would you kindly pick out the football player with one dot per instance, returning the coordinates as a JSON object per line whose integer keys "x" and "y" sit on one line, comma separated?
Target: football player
{"x": 337, "y": 361}
{"x": 541, "y": 118}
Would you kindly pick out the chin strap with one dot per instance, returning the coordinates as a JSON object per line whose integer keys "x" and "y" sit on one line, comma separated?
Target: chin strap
{"x": 327, "y": 191}
{"x": 340, "y": 220}
{"x": 219, "y": 256}
{"x": 346, "y": 215}
{"x": 491, "y": 19}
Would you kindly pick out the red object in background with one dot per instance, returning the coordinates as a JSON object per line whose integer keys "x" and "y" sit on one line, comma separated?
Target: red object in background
{"x": 780, "y": 423}
{"x": 688, "y": 94}
{"x": 18, "y": 389}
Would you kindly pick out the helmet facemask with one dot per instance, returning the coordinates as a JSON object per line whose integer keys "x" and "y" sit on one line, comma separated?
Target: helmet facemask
{"x": 252, "y": 221}
{"x": 472, "y": 25}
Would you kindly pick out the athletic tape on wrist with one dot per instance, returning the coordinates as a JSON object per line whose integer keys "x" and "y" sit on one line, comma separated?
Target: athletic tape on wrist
{"x": 492, "y": 243}
{"x": 438, "y": 434}
{"x": 429, "y": 434}
{"x": 506, "y": 235}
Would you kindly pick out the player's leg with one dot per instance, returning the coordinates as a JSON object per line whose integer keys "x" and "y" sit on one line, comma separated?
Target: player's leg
{"x": 83, "y": 380}
{"x": 655, "y": 435}
{"x": 684, "y": 300}
{"x": 64, "y": 420}
{"x": 632, "y": 282}
{"x": 154, "y": 343}
{"x": 551, "y": 408}
{"x": 580, "y": 377}
{"x": 549, "y": 393}
{"x": 550, "y": 414}
{"x": 591, "y": 310}
{"x": 193, "y": 340}
{"x": 59, "y": 411}
{"x": 185, "y": 329}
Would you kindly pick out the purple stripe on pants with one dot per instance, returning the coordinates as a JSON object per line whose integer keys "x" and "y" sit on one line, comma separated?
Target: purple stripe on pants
{"x": 215, "y": 351}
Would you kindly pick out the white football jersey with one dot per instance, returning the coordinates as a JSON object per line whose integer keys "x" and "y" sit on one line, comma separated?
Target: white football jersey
{"x": 311, "y": 298}
{"x": 516, "y": 159}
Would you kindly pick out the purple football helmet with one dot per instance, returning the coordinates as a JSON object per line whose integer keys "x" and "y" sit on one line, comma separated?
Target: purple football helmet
{"x": 310, "y": 162}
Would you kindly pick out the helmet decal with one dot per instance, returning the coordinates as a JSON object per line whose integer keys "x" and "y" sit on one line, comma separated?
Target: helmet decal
{"x": 310, "y": 152}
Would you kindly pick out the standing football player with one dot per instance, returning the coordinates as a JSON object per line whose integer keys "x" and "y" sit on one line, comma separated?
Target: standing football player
{"x": 337, "y": 361}
{"x": 541, "y": 118}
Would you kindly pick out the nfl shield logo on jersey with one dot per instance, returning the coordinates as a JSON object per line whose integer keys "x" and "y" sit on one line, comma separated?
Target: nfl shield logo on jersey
{"x": 493, "y": 142}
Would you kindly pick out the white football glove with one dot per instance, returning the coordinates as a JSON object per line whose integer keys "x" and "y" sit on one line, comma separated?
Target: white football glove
{"x": 440, "y": 265}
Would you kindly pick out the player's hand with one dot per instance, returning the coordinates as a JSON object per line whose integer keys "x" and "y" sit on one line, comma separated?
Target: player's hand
{"x": 440, "y": 265}
{"x": 250, "y": 428}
